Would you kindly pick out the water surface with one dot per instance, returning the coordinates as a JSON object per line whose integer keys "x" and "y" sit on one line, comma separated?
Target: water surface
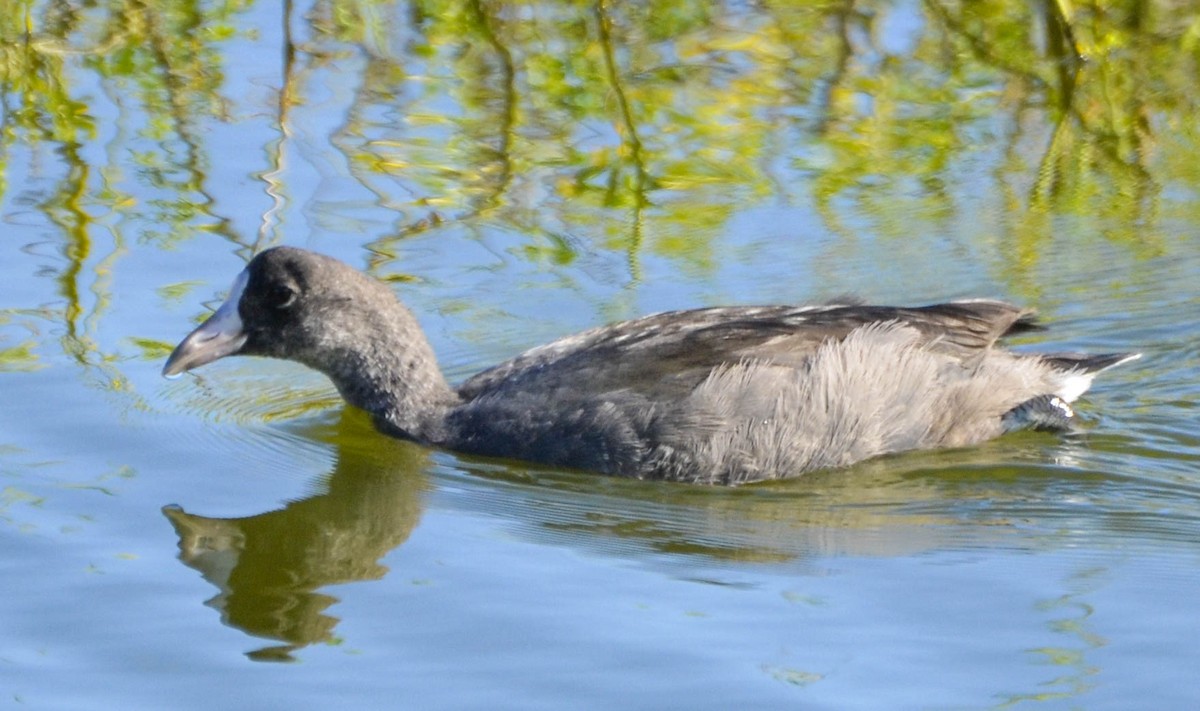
{"x": 238, "y": 539}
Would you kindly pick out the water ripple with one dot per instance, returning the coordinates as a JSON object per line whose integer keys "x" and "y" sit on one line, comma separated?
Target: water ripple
{"x": 260, "y": 420}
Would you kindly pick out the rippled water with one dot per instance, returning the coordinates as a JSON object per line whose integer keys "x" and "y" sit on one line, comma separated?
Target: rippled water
{"x": 521, "y": 172}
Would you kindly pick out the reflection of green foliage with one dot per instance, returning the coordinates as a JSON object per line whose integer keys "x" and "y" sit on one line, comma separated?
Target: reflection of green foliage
{"x": 177, "y": 291}
{"x": 683, "y": 106}
{"x": 34, "y": 491}
{"x": 37, "y": 98}
{"x": 795, "y": 677}
{"x": 162, "y": 62}
{"x": 159, "y": 64}
{"x": 644, "y": 127}
{"x": 11, "y": 495}
{"x": 19, "y": 358}
{"x": 151, "y": 349}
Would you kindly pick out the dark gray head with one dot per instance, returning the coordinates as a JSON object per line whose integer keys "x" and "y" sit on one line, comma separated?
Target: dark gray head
{"x": 298, "y": 305}
{"x": 280, "y": 306}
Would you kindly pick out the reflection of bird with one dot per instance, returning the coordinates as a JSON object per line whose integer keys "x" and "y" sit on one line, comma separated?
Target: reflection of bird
{"x": 717, "y": 395}
{"x": 268, "y": 567}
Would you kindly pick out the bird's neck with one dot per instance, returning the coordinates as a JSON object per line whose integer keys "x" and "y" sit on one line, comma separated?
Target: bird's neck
{"x": 397, "y": 381}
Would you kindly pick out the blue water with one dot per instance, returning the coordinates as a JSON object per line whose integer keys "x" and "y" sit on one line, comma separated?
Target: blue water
{"x": 238, "y": 539}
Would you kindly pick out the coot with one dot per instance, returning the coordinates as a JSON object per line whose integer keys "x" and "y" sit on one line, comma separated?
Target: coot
{"x": 723, "y": 395}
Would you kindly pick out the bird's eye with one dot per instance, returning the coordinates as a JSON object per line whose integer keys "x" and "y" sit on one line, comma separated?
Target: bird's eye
{"x": 281, "y": 296}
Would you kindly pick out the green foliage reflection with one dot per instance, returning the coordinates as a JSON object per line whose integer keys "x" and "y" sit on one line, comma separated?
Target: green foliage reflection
{"x": 640, "y": 126}
{"x": 690, "y": 94}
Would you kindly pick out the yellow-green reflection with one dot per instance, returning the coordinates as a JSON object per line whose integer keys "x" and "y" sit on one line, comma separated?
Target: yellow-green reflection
{"x": 159, "y": 66}
{"x": 644, "y": 126}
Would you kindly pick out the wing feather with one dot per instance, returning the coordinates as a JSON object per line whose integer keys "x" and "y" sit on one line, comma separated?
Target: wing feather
{"x": 668, "y": 354}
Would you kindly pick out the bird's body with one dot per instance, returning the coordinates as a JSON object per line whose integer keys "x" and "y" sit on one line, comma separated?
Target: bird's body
{"x": 717, "y": 395}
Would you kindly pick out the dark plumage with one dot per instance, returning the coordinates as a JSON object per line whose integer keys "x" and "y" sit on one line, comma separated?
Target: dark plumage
{"x": 717, "y": 395}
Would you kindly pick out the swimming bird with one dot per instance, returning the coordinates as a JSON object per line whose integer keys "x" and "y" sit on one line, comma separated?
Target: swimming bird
{"x": 721, "y": 395}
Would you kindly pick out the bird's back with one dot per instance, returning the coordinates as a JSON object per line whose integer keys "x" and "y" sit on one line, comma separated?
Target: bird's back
{"x": 747, "y": 393}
